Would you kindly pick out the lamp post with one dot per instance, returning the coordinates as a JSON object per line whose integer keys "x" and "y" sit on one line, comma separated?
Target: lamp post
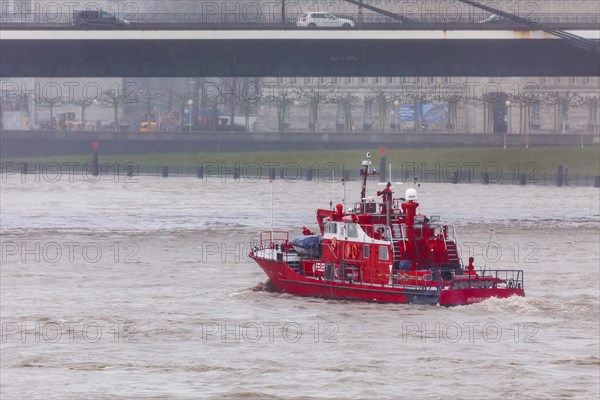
{"x": 507, "y": 103}
{"x": 190, "y": 102}
{"x": 396, "y": 104}
{"x": 392, "y": 113}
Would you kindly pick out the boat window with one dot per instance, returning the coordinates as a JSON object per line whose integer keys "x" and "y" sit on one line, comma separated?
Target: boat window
{"x": 383, "y": 253}
{"x": 366, "y": 251}
{"x": 331, "y": 227}
{"x": 352, "y": 230}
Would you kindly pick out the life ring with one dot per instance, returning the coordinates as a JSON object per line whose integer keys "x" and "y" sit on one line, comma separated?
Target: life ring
{"x": 354, "y": 251}
{"x": 334, "y": 244}
{"x": 348, "y": 251}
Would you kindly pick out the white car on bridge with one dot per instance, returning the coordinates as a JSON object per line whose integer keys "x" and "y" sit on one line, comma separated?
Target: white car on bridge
{"x": 323, "y": 20}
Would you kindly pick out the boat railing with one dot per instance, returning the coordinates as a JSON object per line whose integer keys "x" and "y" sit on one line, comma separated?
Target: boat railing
{"x": 500, "y": 278}
{"x": 272, "y": 239}
{"x": 376, "y": 208}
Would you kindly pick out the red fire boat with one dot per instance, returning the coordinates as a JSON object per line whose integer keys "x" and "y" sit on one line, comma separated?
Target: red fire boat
{"x": 380, "y": 250}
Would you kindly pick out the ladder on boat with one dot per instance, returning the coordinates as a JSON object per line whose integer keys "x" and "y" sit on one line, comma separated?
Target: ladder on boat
{"x": 452, "y": 251}
{"x": 398, "y": 242}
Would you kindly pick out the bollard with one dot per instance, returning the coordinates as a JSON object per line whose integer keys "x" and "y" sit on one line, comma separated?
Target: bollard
{"x": 309, "y": 174}
{"x": 559, "y": 176}
{"x": 236, "y": 173}
{"x": 346, "y": 175}
{"x": 201, "y": 171}
{"x": 486, "y": 178}
{"x": 129, "y": 169}
{"x": 522, "y": 179}
{"x": 24, "y": 168}
{"x": 382, "y": 170}
{"x": 597, "y": 181}
{"x": 165, "y": 171}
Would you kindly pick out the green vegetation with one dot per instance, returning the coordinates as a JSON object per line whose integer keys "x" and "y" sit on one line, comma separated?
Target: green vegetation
{"x": 583, "y": 161}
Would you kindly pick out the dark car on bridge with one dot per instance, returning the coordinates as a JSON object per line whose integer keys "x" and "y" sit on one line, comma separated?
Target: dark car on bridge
{"x": 96, "y": 17}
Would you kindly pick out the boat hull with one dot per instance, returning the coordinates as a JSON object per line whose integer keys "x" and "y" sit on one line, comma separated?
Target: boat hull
{"x": 287, "y": 280}
{"x": 455, "y": 297}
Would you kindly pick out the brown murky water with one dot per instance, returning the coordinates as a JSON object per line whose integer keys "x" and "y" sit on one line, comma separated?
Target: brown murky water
{"x": 142, "y": 289}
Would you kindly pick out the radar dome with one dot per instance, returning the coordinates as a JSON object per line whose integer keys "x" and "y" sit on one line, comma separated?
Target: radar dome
{"x": 411, "y": 195}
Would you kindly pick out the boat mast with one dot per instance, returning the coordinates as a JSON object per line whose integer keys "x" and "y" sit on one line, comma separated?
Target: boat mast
{"x": 365, "y": 164}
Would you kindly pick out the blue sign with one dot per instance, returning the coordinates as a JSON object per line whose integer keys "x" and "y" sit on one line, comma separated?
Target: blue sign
{"x": 429, "y": 112}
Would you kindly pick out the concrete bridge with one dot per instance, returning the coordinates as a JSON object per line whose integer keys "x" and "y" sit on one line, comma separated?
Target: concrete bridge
{"x": 333, "y": 53}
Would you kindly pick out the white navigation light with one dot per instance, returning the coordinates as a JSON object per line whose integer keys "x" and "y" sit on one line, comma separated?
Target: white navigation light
{"x": 368, "y": 154}
{"x": 411, "y": 195}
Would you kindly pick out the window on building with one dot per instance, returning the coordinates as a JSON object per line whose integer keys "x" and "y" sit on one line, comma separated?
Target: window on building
{"x": 366, "y": 251}
{"x": 340, "y": 117}
{"x": 391, "y": 80}
{"x": 294, "y": 80}
{"x": 545, "y": 80}
{"x": 573, "y": 79}
{"x": 368, "y": 114}
{"x": 560, "y": 80}
{"x": 418, "y": 79}
{"x": 536, "y": 120}
{"x": 307, "y": 80}
{"x": 377, "y": 80}
{"x": 280, "y": 80}
{"x": 364, "y": 80}
{"x": 349, "y": 80}
{"x": 322, "y": 80}
{"x": 431, "y": 80}
{"x": 446, "y": 79}
{"x": 405, "y": 79}
{"x": 588, "y": 80}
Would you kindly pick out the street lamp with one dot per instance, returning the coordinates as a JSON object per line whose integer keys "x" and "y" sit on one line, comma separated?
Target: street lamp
{"x": 507, "y": 103}
{"x": 396, "y": 104}
{"x": 190, "y": 102}
{"x": 392, "y": 113}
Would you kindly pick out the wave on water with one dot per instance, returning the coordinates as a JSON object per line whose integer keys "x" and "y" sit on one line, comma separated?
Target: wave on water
{"x": 533, "y": 305}
{"x": 264, "y": 287}
{"x": 591, "y": 360}
{"x": 254, "y": 396}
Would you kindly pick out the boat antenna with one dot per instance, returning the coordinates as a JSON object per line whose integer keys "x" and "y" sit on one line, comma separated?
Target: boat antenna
{"x": 390, "y": 181}
{"x": 332, "y": 189}
{"x": 344, "y": 185}
{"x": 487, "y": 250}
{"x": 366, "y": 163}
{"x": 271, "y": 183}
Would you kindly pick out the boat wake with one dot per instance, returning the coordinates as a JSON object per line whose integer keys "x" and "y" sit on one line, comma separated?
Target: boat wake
{"x": 532, "y": 305}
{"x": 264, "y": 287}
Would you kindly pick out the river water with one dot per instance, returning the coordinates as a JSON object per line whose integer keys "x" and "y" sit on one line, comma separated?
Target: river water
{"x": 141, "y": 288}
